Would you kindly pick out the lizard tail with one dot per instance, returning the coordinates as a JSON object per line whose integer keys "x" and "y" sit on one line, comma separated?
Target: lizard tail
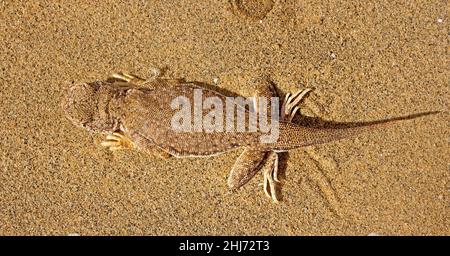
{"x": 294, "y": 136}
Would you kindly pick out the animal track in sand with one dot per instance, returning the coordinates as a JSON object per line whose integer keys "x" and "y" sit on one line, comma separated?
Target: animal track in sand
{"x": 253, "y": 9}
{"x": 323, "y": 182}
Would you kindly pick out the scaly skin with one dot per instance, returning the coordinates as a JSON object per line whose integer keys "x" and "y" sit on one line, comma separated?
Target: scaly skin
{"x": 137, "y": 113}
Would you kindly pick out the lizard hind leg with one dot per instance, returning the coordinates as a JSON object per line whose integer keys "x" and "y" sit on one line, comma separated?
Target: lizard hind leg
{"x": 249, "y": 163}
{"x": 290, "y": 104}
{"x": 263, "y": 88}
{"x": 246, "y": 166}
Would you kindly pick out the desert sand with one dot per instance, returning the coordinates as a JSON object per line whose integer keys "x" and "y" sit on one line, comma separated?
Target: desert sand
{"x": 366, "y": 60}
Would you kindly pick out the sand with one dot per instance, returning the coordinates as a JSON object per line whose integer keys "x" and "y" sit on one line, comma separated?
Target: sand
{"x": 367, "y": 60}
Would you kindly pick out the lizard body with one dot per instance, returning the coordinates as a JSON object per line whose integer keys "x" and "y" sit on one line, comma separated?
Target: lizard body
{"x": 137, "y": 113}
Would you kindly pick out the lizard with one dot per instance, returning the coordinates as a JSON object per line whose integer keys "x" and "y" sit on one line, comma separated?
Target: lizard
{"x": 135, "y": 113}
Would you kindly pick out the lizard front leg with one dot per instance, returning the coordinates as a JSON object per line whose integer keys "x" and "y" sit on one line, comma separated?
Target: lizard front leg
{"x": 125, "y": 77}
{"x": 154, "y": 74}
{"x": 147, "y": 146}
{"x": 116, "y": 141}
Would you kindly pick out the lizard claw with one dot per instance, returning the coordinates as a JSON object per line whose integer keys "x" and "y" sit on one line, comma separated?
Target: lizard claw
{"x": 271, "y": 181}
{"x": 116, "y": 141}
{"x": 290, "y": 104}
{"x": 125, "y": 77}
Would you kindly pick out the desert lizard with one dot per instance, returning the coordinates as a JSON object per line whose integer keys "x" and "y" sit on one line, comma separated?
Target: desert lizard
{"x": 136, "y": 113}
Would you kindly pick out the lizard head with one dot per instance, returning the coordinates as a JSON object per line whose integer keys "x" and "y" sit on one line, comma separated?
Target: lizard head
{"x": 87, "y": 106}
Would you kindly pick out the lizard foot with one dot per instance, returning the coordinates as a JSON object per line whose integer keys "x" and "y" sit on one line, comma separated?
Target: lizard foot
{"x": 116, "y": 141}
{"x": 271, "y": 181}
{"x": 290, "y": 104}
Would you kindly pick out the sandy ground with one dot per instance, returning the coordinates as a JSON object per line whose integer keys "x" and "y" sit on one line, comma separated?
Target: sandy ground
{"x": 367, "y": 60}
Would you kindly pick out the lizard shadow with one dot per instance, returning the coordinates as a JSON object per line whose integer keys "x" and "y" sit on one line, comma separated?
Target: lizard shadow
{"x": 317, "y": 122}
